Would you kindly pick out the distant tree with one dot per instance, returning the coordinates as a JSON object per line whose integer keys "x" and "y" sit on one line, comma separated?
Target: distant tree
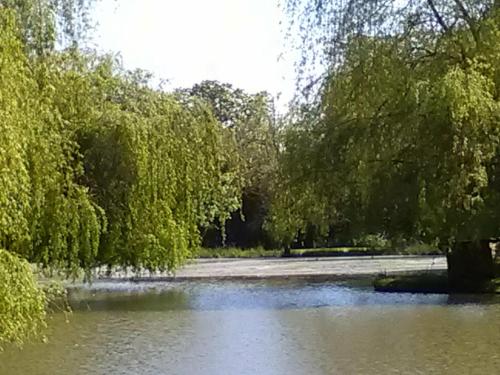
{"x": 250, "y": 120}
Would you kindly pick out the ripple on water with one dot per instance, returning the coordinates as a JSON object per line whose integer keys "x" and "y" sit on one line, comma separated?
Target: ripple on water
{"x": 264, "y": 328}
{"x": 251, "y": 295}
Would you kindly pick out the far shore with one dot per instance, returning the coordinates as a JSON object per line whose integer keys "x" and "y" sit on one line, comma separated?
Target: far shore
{"x": 321, "y": 268}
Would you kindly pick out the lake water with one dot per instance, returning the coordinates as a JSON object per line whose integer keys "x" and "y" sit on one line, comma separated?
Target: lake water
{"x": 264, "y": 328}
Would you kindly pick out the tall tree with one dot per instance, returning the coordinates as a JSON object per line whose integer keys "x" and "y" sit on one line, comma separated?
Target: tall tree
{"x": 98, "y": 168}
{"x": 404, "y": 135}
{"x": 323, "y": 29}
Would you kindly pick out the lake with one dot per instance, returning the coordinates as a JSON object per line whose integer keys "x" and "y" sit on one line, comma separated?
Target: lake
{"x": 264, "y": 328}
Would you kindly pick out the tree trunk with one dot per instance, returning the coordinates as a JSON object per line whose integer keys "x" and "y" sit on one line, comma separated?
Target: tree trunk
{"x": 470, "y": 264}
{"x": 287, "y": 252}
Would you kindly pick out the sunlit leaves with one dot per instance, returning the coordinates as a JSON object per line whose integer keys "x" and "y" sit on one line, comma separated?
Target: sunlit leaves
{"x": 97, "y": 168}
{"x": 22, "y": 303}
{"x": 406, "y": 140}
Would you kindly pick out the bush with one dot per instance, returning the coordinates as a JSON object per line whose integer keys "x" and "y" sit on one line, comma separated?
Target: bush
{"x": 421, "y": 248}
{"x": 372, "y": 241}
{"x": 22, "y": 302}
{"x": 236, "y": 252}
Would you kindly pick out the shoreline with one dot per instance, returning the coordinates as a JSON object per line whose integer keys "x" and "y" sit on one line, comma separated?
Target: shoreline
{"x": 312, "y": 269}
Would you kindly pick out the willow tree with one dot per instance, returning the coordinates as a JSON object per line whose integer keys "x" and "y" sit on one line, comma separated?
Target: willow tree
{"x": 22, "y": 303}
{"x": 43, "y": 23}
{"x": 404, "y": 136}
{"x": 42, "y": 209}
{"x": 322, "y": 29}
{"x": 160, "y": 169}
{"x": 98, "y": 168}
{"x": 43, "y": 206}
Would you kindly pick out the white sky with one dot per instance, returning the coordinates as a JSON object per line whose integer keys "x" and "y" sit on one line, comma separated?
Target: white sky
{"x": 187, "y": 41}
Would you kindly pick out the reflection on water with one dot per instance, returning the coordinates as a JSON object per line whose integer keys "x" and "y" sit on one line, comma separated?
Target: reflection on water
{"x": 265, "y": 328}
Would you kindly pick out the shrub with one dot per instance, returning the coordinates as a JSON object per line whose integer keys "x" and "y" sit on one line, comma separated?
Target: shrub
{"x": 372, "y": 241}
{"x": 421, "y": 248}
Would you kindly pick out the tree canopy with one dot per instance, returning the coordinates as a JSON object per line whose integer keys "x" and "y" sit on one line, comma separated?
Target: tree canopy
{"x": 403, "y": 138}
{"x": 323, "y": 30}
{"x": 109, "y": 170}
{"x": 100, "y": 169}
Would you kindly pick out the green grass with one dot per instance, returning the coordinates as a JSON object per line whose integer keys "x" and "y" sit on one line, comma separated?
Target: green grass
{"x": 258, "y": 252}
{"x": 235, "y": 252}
{"x": 336, "y": 251}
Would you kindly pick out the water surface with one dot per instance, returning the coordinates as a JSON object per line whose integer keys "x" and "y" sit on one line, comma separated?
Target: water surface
{"x": 264, "y": 328}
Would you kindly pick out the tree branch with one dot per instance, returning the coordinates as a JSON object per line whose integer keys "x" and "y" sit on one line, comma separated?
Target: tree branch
{"x": 466, "y": 16}
{"x": 438, "y": 17}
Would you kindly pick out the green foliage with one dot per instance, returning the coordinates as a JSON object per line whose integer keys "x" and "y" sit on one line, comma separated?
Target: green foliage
{"x": 249, "y": 120}
{"x": 22, "y": 303}
{"x": 419, "y": 248}
{"x": 387, "y": 247}
{"x": 46, "y": 215}
{"x": 322, "y": 30}
{"x": 235, "y": 252}
{"x": 249, "y": 124}
{"x": 373, "y": 241}
{"x": 41, "y": 23}
{"x": 404, "y": 139}
{"x": 159, "y": 169}
{"x": 98, "y": 168}
{"x": 56, "y": 296}
{"x": 101, "y": 169}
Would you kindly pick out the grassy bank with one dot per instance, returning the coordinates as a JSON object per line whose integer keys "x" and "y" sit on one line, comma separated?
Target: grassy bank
{"x": 235, "y": 252}
{"x": 257, "y": 252}
{"x": 431, "y": 283}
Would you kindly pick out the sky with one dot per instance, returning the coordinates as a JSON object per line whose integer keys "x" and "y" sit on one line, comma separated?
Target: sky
{"x": 186, "y": 41}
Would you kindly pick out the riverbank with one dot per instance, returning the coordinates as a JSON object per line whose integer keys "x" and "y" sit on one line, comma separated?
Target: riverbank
{"x": 260, "y": 252}
{"x": 432, "y": 283}
{"x": 321, "y": 268}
